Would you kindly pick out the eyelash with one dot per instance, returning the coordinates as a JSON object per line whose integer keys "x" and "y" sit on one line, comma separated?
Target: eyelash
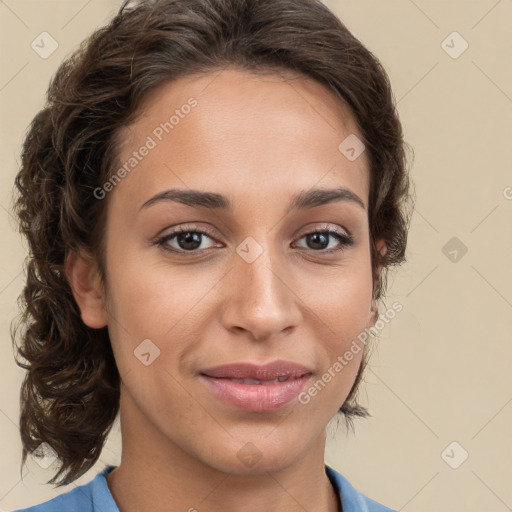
{"x": 344, "y": 239}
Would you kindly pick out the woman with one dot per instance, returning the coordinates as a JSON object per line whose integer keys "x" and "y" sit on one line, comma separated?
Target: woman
{"x": 212, "y": 197}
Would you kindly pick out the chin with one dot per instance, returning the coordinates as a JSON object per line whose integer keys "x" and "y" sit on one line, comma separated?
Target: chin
{"x": 256, "y": 455}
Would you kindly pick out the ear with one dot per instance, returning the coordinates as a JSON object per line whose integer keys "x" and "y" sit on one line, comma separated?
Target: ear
{"x": 382, "y": 246}
{"x": 374, "y": 313}
{"x": 83, "y": 276}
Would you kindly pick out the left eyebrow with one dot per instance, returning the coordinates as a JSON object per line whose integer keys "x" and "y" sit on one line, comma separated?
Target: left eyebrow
{"x": 213, "y": 201}
{"x": 320, "y": 196}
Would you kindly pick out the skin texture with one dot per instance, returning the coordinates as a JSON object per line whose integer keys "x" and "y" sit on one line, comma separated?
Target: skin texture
{"x": 258, "y": 140}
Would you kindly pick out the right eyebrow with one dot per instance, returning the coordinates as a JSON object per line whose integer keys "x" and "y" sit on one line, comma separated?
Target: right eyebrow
{"x": 210, "y": 200}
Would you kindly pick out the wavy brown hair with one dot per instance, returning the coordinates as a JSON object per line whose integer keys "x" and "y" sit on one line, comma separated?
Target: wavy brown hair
{"x": 70, "y": 394}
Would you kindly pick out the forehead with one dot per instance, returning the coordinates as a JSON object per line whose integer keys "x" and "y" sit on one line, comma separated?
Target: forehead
{"x": 238, "y": 129}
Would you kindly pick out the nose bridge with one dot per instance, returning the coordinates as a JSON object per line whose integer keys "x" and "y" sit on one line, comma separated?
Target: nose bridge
{"x": 258, "y": 269}
{"x": 261, "y": 300}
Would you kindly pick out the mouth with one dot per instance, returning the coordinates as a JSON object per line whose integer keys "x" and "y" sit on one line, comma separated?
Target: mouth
{"x": 256, "y": 388}
{"x": 281, "y": 378}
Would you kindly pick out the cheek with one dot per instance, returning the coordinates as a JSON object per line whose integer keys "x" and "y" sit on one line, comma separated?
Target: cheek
{"x": 343, "y": 305}
{"x": 167, "y": 305}
{"x": 342, "y": 300}
{"x": 344, "y": 311}
{"x": 151, "y": 299}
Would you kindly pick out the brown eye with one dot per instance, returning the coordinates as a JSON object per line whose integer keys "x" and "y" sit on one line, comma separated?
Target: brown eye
{"x": 184, "y": 241}
{"x": 319, "y": 241}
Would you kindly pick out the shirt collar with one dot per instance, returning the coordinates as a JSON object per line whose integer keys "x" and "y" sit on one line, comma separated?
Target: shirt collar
{"x": 351, "y": 499}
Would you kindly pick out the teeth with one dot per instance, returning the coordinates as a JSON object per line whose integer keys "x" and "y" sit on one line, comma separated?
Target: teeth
{"x": 251, "y": 381}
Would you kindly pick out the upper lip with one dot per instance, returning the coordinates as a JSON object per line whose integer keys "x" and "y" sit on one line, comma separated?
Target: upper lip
{"x": 270, "y": 371}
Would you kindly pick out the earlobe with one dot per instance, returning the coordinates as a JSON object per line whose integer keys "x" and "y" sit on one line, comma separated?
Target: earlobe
{"x": 374, "y": 314}
{"x": 83, "y": 276}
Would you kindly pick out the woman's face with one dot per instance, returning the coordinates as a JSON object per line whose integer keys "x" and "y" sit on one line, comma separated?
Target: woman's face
{"x": 258, "y": 287}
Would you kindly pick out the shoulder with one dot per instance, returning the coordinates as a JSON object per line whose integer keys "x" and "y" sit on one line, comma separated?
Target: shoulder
{"x": 352, "y": 500}
{"x": 91, "y": 497}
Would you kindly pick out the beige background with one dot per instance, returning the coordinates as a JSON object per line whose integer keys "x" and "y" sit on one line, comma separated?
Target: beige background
{"x": 441, "y": 372}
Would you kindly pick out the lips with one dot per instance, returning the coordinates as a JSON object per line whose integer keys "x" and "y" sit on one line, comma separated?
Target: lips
{"x": 256, "y": 388}
{"x": 265, "y": 373}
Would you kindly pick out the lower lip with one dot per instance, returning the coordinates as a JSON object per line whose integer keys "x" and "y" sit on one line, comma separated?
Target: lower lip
{"x": 256, "y": 397}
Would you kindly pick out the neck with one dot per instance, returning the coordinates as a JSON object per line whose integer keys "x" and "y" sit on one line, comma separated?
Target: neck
{"x": 155, "y": 474}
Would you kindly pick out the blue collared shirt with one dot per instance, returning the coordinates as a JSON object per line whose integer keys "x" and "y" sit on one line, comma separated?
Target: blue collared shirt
{"x": 95, "y": 496}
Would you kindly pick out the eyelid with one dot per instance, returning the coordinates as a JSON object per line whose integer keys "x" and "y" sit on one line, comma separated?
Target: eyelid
{"x": 345, "y": 238}
{"x": 180, "y": 228}
{"x": 161, "y": 239}
{"x": 325, "y": 227}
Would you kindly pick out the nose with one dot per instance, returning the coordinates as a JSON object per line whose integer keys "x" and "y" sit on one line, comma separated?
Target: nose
{"x": 262, "y": 299}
